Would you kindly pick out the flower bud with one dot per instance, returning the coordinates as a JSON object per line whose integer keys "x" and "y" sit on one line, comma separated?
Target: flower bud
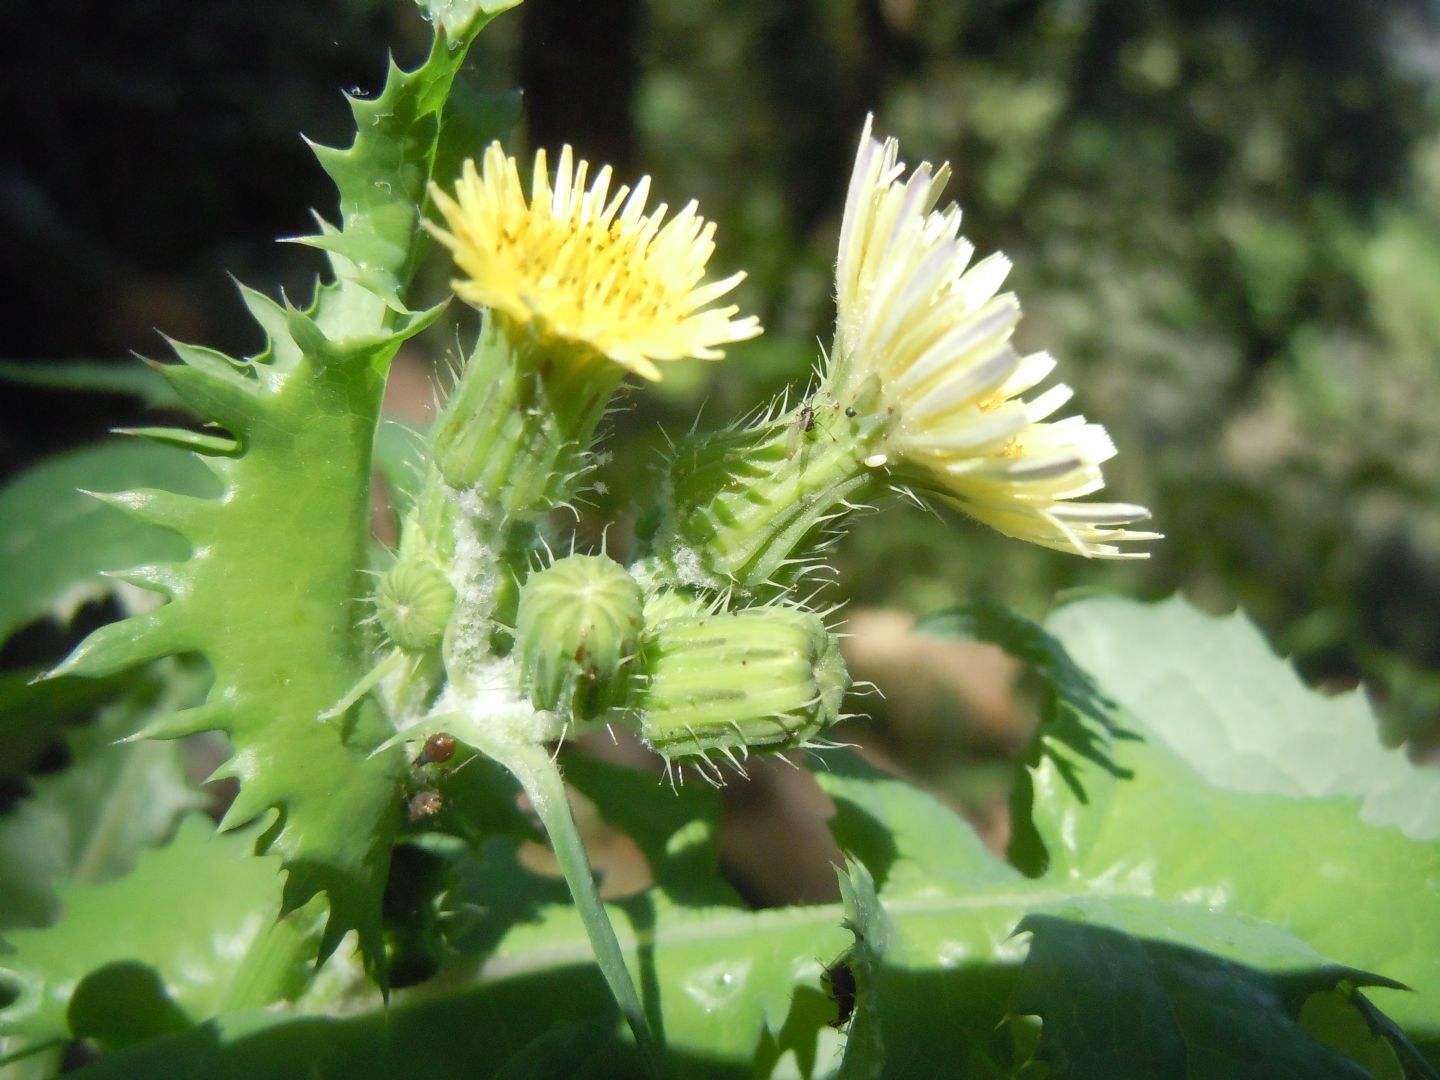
{"x": 578, "y": 629}
{"x": 766, "y": 678}
{"x": 414, "y": 602}
{"x": 751, "y": 507}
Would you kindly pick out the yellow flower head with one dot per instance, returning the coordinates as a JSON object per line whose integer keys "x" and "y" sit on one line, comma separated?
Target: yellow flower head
{"x": 916, "y": 315}
{"x": 585, "y": 266}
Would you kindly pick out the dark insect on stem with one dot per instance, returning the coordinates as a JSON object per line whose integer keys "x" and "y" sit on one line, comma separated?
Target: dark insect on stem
{"x": 839, "y": 981}
{"x": 438, "y": 748}
{"x": 803, "y": 424}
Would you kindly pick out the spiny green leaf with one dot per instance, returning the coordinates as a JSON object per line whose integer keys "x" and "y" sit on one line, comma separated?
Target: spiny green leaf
{"x": 112, "y": 950}
{"x": 272, "y": 595}
{"x": 55, "y": 539}
{"x": 382, "y": 178}
{"x": 88, "y": 822}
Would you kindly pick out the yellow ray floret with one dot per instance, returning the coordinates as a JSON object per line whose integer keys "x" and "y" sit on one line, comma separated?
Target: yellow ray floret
{"x": 916, "y": 314}
{"x": 585, "y": 266}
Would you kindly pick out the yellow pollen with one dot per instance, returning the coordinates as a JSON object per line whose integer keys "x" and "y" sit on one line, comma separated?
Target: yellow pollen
{"x": 1012, "y": 449}
{"x": 991, "y": 403}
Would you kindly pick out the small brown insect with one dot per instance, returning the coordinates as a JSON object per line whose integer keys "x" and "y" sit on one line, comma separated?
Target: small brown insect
{"x": 424, "y": 804}
{"x": 438, "y": 748}
{"x": 839, "y": 980}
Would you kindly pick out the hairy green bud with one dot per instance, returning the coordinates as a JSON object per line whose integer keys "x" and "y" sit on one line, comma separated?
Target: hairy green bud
{"x": 578, "y": 630}
{"x": 752, "y": 507}
{"x": 517, "y": 428}
{"x": 765, "y": 679}
{"x": 414, "y": 602}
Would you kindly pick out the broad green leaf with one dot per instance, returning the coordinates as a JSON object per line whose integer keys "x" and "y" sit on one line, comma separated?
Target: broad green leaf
{"x": 91, "y": 376}
{"x": 1114, "y": 814}
{"x": 55, "y": 539}
{"x": 89, "y": 821}
{"x": 556, "y": 1027}
{"x": 147, "y": 953}
{"x": 1211, "y": 690}
{"x": 1199, "y": 993}
{"x": 1348, "y": 875}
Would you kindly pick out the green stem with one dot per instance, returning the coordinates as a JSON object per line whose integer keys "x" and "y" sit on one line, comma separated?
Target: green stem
{"x": 539, "y": 775}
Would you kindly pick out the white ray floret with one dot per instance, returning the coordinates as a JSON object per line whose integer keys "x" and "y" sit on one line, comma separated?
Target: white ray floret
{"x": 916, "y": 314}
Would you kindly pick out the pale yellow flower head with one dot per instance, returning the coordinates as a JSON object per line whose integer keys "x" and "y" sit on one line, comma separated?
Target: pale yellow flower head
{"x": 914, "y": 313}
{"x": 585, "y": 266}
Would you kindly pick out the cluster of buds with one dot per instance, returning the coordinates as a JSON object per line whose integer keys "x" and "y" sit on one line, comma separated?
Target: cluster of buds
{"x": 700, "y": 645}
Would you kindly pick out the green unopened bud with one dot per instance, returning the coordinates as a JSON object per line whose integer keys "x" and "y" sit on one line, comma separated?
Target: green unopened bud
{"x": 765, "y": 679}
{"x": 518, "y": 426}
{"x": 751, "y": 507}
{"x": 414, "y": 602}
{"x": 578, "y": 630}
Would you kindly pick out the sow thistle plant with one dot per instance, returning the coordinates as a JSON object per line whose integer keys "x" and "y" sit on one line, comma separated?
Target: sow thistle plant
{"x": 401, "y": 721}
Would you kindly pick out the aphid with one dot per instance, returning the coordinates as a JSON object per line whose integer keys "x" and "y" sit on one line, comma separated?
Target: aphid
{"x": 424, "y": 804}
{"x": 803, "y": 423}
{"x": 438, "y": 748}
{"x": 839, "y": 980}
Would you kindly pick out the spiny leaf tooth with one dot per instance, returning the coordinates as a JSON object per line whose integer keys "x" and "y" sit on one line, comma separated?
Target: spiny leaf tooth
{"x": 186, "y": 514}
{"x": 417, "y": 321}
{"x": 169, "y": 579}
{"x": 306, "y": 333}
{"x": 254, "y": 798}
{"x": 226, "y": 398}
{"x": 124, "y": 644}
{"x": 206, "y": 359}
{"x": 334, "y": 160}
{"x": 199, "y": 442}
{"x": 274, "y": 319}
{"x": 177, "y": 725}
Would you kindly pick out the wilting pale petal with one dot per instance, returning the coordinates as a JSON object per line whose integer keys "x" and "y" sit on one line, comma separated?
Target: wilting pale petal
{"x": 932, "y": 326}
